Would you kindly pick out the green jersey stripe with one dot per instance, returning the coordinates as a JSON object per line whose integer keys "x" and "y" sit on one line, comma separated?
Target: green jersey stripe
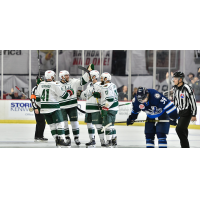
{"x": 115, "y": 104}
{"x": 92, "y": 107}
{"x": 68, "y": 102}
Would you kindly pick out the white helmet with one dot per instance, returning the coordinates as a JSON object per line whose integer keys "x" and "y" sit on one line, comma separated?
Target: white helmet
{"x": 49, "y": 73}
{"x": 106, "y": 75}
{"x": 63, "y": 73}
{"x": 94, "y": 73}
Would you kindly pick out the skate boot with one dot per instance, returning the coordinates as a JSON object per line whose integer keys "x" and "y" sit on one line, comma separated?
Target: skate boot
{"x": 108, "y": 144}
{"x": 57, "y": 141}
{"x": 91, "y": 143}
{"x": 76, "y": 140}
{"x": 41, "y": 140}
{"x": 62, "y": 143}
{"x": 114, "y": 142}
{"x": 68, "y": 140}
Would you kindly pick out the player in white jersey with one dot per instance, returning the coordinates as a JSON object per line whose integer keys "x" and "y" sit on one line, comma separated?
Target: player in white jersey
{"x": 47, "y": 94}
{"x": 93, "y": 109}
{"x": 69, "y": 106}
{"x": 109, "y": 104}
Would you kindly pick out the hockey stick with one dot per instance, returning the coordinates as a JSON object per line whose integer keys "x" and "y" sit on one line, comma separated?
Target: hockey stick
{"x": 105, "y": 127}
{"x": 31, "y": 108}
{"x": 145, "y": 121}
{"x": 82, "y": 111}
{"x": 39, "y": 62}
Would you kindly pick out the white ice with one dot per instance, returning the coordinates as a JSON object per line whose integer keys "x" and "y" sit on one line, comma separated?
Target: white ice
{"x": 21, "y": 136}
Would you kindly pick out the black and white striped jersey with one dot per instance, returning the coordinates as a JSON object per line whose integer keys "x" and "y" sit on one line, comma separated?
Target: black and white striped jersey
{"x": 33, "y": 101}
{"x": 184, "y": 98}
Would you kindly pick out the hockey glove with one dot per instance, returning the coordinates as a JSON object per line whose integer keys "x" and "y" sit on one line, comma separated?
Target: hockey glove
{"x": 70, "y": 92}
{"x": 129, "y": 121}
{"x": 90, "y": 67}
{"x": 104, "y": 111}
{"x": 173, "y": 122}
{"x": 79, "y": 93}
{"x": 97, "y": 95}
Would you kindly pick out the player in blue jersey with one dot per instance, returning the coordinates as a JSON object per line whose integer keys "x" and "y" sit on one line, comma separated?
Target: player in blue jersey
{"x": 157, "y": 107}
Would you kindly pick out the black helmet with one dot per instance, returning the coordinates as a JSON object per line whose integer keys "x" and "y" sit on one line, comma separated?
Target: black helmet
{"x": 179, "y": 75}
{"x": 142, "y": 93}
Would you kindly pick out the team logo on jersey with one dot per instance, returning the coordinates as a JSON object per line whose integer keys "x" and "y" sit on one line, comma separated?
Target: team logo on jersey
{"x": 133, "y": 100}
{"x": 157, "y": 96}
{"x": 182, "y": 96}
{"x": 141, "y": 106}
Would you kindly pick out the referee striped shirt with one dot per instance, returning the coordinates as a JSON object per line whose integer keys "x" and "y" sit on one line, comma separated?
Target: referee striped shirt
{"x": 35, "y": 106}
{"x": 184, "y": 98}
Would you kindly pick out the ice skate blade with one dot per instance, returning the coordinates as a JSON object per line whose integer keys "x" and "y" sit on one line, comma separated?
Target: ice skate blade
{"x": 91, "y": 146}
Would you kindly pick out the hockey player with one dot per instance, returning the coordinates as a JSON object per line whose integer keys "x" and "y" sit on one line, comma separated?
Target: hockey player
{"x": 93, "y": 109}
{"x": 46, "y": 96}
{"x": 109, "y": 103}
{"x": 156, "y": 106}
{"x": 69, "y": 106}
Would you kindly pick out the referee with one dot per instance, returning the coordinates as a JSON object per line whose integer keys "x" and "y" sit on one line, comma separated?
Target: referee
{"x": 185, "y": 101}
{"x": 40, "y": 120}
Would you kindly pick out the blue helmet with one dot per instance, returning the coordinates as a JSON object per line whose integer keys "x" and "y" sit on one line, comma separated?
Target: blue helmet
{"x": 142, "y": 93}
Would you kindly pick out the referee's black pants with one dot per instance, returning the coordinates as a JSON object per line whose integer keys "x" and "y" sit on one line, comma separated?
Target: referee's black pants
{"x": 182, "y": 127}
{"x": 40, "y": 125}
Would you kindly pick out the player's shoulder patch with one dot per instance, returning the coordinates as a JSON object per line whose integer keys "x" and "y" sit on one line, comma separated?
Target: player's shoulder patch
{"x": 141, "y": 106}
{"x": 157, "y": 95}
{"x": 105, "y": 85}
{"x": 133, "y": 100}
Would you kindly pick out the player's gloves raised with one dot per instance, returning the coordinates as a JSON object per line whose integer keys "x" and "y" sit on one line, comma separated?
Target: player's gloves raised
{"x": 79, "y": 93}
{"x": 173, "y": 122}
{"x": 129, "y": 121}
{"x": 104, "y": 111}
{"x": 70, "y": 92}
{"x": 90, "y": 67}
{"x": 97, "y": 95}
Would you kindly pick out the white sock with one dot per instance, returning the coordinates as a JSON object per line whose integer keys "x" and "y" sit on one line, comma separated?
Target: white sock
{"x": 108, "y": 137}
{"x": 114, "y": 136}
{"x": 91, "y": 136}
{"x": 101, "y": 136}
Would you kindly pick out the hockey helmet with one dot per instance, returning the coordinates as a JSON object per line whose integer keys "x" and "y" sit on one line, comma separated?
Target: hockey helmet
{"x": 106, "y": 75}
{"x": 142, "y": 93}
{"x": 63, "y": 73}
{"x": 179, "y": 75}
{"x": 94, "y": 73}
{"x": 49, "y": 74}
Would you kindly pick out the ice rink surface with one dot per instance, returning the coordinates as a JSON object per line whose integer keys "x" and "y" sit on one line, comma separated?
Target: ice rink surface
{"x": 22, "y": 136}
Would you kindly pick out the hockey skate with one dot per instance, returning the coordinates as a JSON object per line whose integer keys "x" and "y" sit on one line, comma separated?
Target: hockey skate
{"x": 114, "y": 142}
{"x": 41, "y": 140}
{"x": 61, "y": 143}
{"x": 108, "y": 144}
{"x": 76, "y": 140}
{"x": 91, "y": 143}
{"x": 68, "y": 140}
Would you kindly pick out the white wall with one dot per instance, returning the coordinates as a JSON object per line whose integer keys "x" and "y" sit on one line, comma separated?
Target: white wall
{"x": 19, "y": 110}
